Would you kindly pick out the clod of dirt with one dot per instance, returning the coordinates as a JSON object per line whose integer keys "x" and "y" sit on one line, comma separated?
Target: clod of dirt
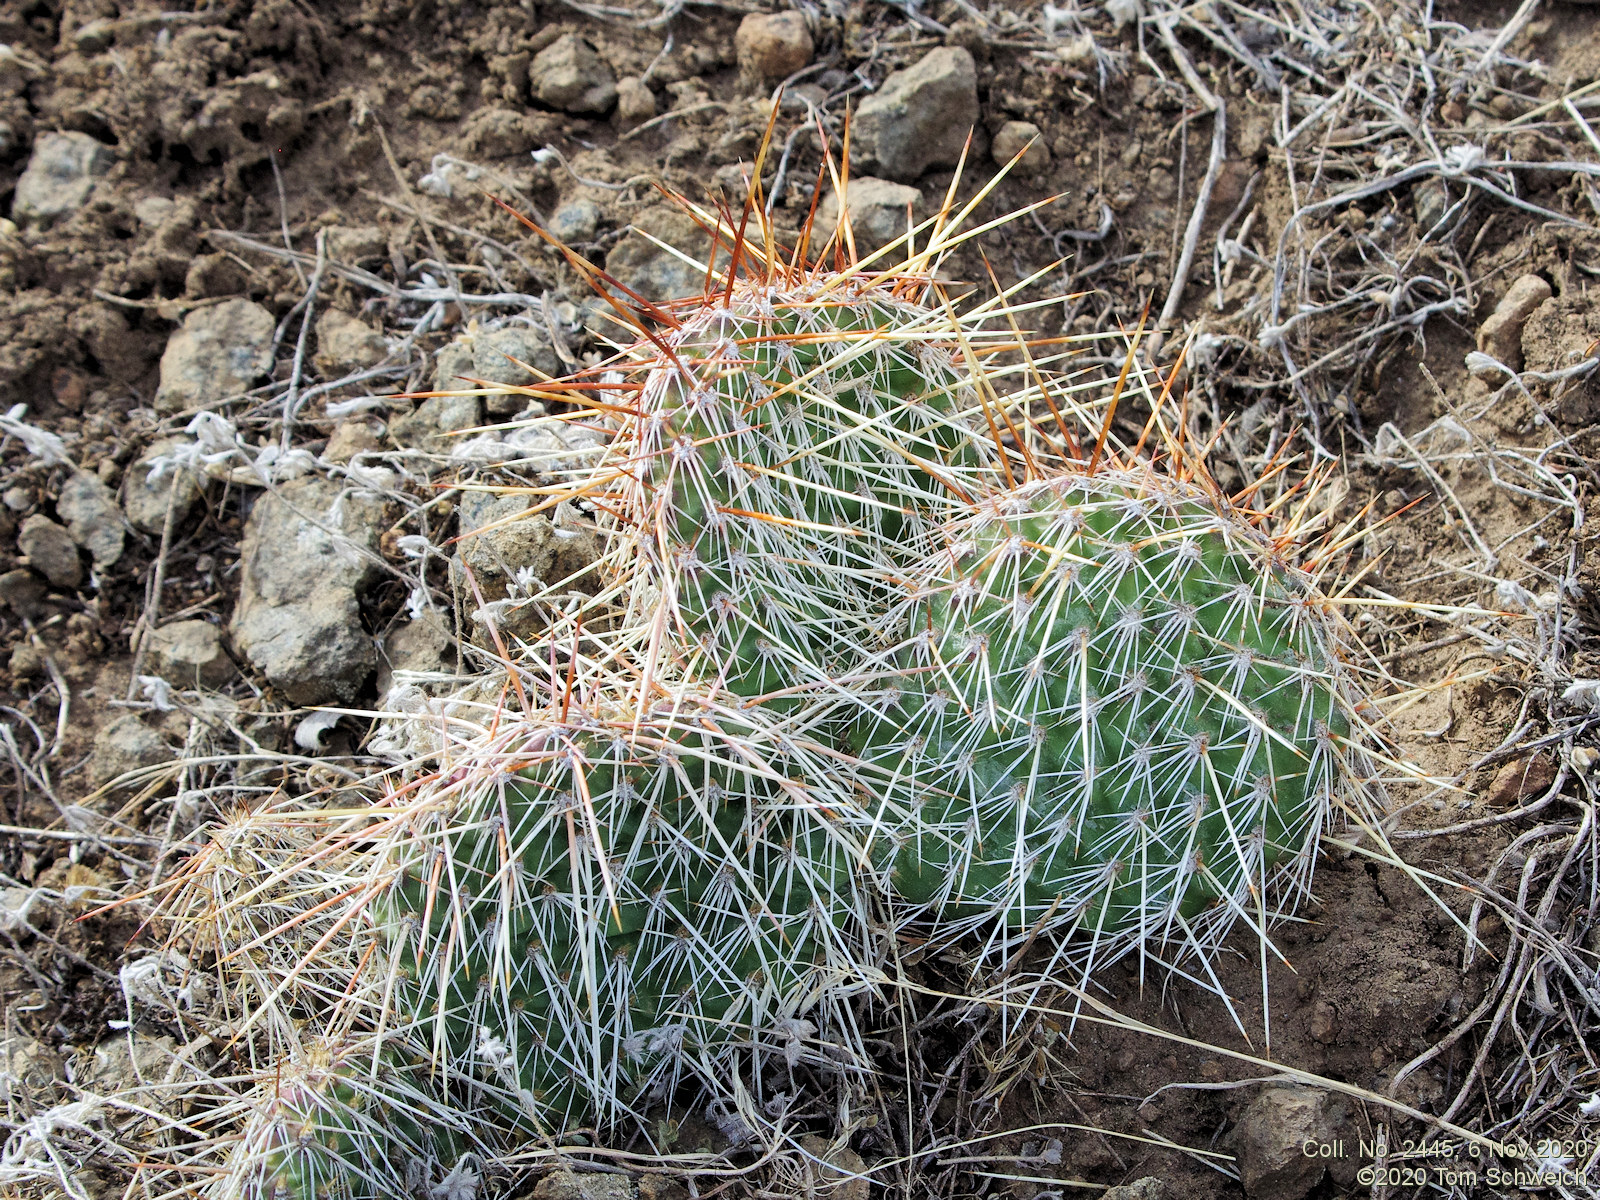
{"x": 636, "y": 103}
{"x": 221, "y": 351}
{"x": 569, "y": 1185}
{"x": 308, "y": 550}
{"x": 772, "y": 45}
{"x": 60, "y": 176}
{"x": 1561, "y": 331}
{"x": 920, "y": 117}
{"x": 189, "y": 653}
{"x": 878, "y": 209}
{"x": 1148, "y": 1188}
{"x": 50, "y": 551}
{"x": 126, "y": 744}
{"x": 501, "y": 133}
{"x": 1500, "y": 336}
{"x": 1273, "y": 1132}
{"x": 1020, "y": 137}
{"x": 841, "y": 1173}
{"x": 356, "y": 244}
{"x": 150, "y": 487}
{"x": 346, "y": 344}
{"x": 661, "y": 1187}
{"x": 568, "y": 74}
{"x": 92, "y": 516}
{"x": 23, "y": 593}
{"x": 27, "y": 662}
{"x": 578, "y": 220}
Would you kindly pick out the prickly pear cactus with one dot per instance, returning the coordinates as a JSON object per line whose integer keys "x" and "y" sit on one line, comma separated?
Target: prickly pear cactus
{"x": 787, "y": 455}
{"x": 620, "y": 908}
{"x": 846, "y": 666}
{"x": 1120, "y": 712}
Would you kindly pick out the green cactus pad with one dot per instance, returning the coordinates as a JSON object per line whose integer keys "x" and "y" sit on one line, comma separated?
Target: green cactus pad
{"x": 1119, "y": 710}
{"x": 621, "y": 908}
{"x": 788, "y": 456}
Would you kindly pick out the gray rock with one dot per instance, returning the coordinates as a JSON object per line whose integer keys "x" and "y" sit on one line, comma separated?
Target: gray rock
{"x": 189, "y": 653}
{"x": 51, "y": 551}
{"x": 511, "y": 554}
{"x": 23, "y": 593}
{"x": 920, "y": 117}
{"x": 1500, "y": 336}
{"x": 1430, "y": 200}
{"x": 358, "y": 435}
{"x": 60, "y": 176}
{"x": 877, "y": 210}
{"x": 652, "y": 272}
{"x": 499, "y": 357}
{"x": 1272, "y": 1133}
{"x": 93, "y": 518}
{"x": 1020, "y": 137}
{"x": 125, "y": 745}
{"x": 147, "y": 493}
{"x": 772, "y": 45}
{"x": 453, "y": 366}
{"x": 576, "y": 221}
{"x": 568, "y": 74}
{"x": 552, "y": 446}
{"x": 130, "y": 1063}
{"x": 430, "y": 424}
{"x": 220, "y": 351}
{"x": 346, "y": 344}
{"x": 307, "y": 552}
{"x": 424, "y": 645}
{"x": 488, "y": 356}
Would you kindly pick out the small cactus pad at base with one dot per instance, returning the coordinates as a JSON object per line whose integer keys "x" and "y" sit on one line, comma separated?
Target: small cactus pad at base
{"x": 334, "y": 1123}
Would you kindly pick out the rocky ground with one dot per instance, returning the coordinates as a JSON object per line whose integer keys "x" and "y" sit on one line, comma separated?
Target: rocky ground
{"x": 240, "y": 236}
